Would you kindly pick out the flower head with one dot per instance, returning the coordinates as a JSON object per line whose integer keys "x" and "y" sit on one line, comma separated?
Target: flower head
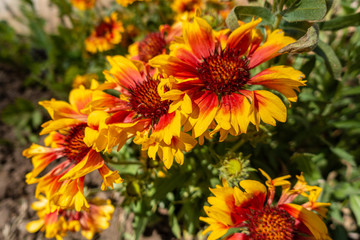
{"x": 214, "y": 70}
{"x": 183, "y": 6}
{"x": 83, "y": 4}
{"x": 84, "y": 80}
{"x": 125, "y": 3}
{"x": 63, "y": 185}
{"x": 155, "y": 43}
{"x": 57, "y": 223}
{"x": 141, "y": 112}
{"x": 105, "y": 35}
{"x": 250, "y": 208}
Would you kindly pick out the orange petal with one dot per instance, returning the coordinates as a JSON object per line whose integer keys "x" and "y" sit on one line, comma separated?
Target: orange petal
{"x": 274, "y": 42}
{"x": 241, "y": 38}
{"x": 199, "y": 36}
{"x": 283, "y": 79}
{"x": 90, "y": 162}
{"x": 267, "y": 107}
{"x": 204, "y": 112}
{"x": 312, "y": 221}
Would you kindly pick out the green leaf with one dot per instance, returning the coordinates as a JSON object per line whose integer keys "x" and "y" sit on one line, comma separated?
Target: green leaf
{"x": 18, "y": 113}
{"x": 304, "y": 44}
{"x": 351, "y": 91}
{"x": 349, "y": 124}
{"x": 355, "y": 207}
{"x": 174, "y": 223}
{"x": 230, "y": 232}
{"x": 331, "y": 60}
{"x": 341, "y": 22}
{"x": 305, "y": 10}
{"x": 305, "y": 163}
{"x": 341, "y": 153}
{"x": 246, "y": 12}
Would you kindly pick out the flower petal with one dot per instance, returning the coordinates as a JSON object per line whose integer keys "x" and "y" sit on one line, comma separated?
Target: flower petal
{"x": 312, "y": 221}
{"x": 267, "y": 107}
{"x": 274, "y": 42}
{"x": 241, "y": 38}
{"x": 199, "y": 37}
{"x": 283, "y": 79}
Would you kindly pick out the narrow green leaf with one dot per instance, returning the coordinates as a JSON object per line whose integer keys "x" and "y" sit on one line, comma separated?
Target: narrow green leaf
{"x": 331, "y": 60}
{"x": 351, "y": 91}
{"x": 341, "y": 153}
{"x": 175, "y": 226}
{"x": 245, "y": 12}
{"x": 355, "y": 207}
{"x": 341, "y": 22}
{"x": 140, "y": 226}
{"x": 349, "y": 124}
{"x": 304, "y": 44}
{"x": 305, "y": 163}
{"x": 305, "y": 10}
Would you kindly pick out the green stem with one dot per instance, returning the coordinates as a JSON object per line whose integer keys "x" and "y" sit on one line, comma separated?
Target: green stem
{"x": 278, "y": 20}
{"x": 237, "y": 145}
{"x": 281, "y": 5}
{"x": 274, "y": 6}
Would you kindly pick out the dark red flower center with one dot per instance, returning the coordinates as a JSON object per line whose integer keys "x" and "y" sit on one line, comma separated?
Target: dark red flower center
{"x": 152, "y": 45}
{"x": 270, "y": 223}
{"x": 74, "y": 147}
{"x": 225, "y": 72}
{"x": 103, "y": 28}
{"x": 145, "y": 100}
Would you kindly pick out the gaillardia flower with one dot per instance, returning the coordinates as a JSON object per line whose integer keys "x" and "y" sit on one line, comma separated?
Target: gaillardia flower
{"x": 183, "y": 6}
{"x": 140, "y": 113}
{"x": 155, "y": 43}
{"x": 251, "y": 210}
{"x": 84, "y": 80}
{"x": 57, "y": 223}
{"x": 125, "y": 3}
{"x": 214, "y": 70}
{"x": 64, "y": 184}
{"x": 105, "y": 35}
{"x": 83, "y": 4}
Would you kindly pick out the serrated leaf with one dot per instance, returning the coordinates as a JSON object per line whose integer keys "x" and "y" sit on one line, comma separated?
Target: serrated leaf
{"x": 355, "y": 207}
{"x": 305, "y": 10}
{"x": 304, "y": 44}
{"x": 244, "y": 12}
{"x": 331, "y": 60}
{"x": 341, "y": 22}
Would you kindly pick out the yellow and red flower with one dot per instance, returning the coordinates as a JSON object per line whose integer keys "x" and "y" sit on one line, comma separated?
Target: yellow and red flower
{"x": 84, "y": 80}
{"x": 214, "y": 70}
{"x": 63, "y": 185}
{"x": 57, "y": 223}
{"x": 186, "y": 6}
{"x": 155, "y": 43}
{"x": 105, "y": 36}
{"x": 125, "y": 3}
{"x": 83, "y": 4}
{"x": 252, "y": 211}
{"x": 140, "y": 113}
